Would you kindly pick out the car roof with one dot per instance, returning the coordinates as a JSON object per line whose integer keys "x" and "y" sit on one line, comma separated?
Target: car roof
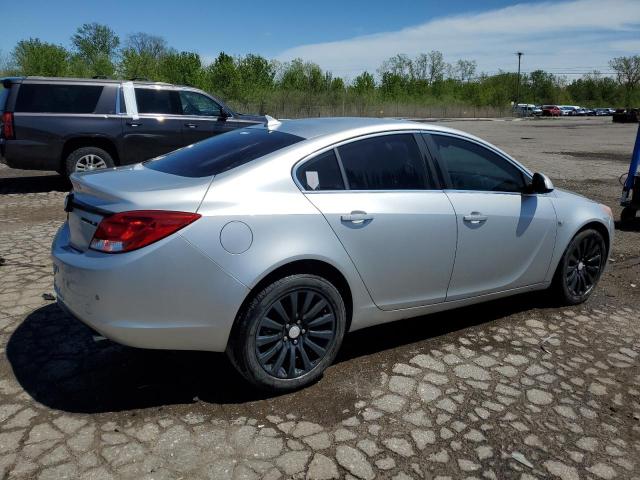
{"x": 309, "y": 128}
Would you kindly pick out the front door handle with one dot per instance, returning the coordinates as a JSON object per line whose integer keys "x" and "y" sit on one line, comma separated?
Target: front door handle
{"x": 475, "y": 218}
{"x": 134, "y": 124}
{"x": 357, "y": 217}
{"x": 191, "y": 125}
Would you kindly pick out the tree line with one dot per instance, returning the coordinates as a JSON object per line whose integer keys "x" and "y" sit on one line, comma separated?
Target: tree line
{"x": 427, "y": 79}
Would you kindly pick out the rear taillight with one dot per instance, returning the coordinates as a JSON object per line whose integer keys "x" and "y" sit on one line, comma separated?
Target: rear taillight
{"x": 126, "y": 231}
{"x": 7, "y": 126}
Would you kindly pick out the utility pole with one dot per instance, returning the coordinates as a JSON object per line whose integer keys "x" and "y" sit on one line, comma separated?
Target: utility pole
{"x": 518, "y": 86}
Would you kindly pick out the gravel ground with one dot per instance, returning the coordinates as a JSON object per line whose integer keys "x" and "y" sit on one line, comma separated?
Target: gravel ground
{"x": 511, "y": 389}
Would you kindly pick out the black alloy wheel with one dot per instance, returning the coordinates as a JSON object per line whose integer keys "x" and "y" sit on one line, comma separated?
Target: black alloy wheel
{"x": 295, "y": 333}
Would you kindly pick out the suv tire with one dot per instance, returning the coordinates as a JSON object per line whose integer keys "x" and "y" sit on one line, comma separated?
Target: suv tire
{"x": 288, "y": 333}
{"x": 88, "y": 158}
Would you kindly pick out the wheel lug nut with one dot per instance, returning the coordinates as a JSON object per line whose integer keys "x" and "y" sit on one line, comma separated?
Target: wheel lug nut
{"x": 304, "y": 331}
{"x": 295, "y": 342}
{"x": 285, "y": 338}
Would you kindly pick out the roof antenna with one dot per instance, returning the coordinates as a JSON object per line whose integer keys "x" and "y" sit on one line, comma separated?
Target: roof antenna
{"x": 271, "y": 122}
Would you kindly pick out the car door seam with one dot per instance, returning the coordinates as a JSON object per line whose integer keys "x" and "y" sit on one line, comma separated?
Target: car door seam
{"x": 455, "y": 250}
{"x": 335, "y": 234}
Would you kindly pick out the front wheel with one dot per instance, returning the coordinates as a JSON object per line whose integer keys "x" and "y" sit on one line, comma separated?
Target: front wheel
{"x": 580, "y": 267}
{"x": 289, "y": 333}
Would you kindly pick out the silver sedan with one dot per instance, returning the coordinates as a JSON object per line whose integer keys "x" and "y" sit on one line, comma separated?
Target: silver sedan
{"x": 273, "y": 241}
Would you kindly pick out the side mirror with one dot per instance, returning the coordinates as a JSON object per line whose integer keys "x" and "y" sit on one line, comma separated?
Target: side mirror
{"x": 223, "y": 115}
{"x": 540, "y": 183}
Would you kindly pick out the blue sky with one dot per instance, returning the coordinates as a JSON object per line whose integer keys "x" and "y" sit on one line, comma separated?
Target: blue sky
{"x": 350, "y": 36}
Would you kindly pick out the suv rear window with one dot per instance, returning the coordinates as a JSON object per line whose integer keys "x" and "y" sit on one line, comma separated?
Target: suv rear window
{"x": 52, "y": 98}
{"x": 4, "y": 94}
{"x": 223, "y": 152}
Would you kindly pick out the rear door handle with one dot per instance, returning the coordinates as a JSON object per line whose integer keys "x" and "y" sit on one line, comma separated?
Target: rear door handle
{"x": 191, "y": 125}
{"x": 134, "y": 124}
{"x": 356, "y": 217}
{"x": 475, "y": 218}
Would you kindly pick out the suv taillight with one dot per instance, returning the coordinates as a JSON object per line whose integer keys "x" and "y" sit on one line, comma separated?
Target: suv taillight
{"x": 126, "y": 231}
{"x": 7, "y": 126}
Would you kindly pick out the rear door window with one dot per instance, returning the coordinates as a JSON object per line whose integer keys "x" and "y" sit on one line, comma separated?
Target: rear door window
{"x": 385, "y": 162}
{"x": 158, "y": 101}
{"x": 58, "y": 98}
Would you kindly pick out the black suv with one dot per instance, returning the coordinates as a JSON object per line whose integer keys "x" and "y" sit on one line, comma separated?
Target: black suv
{"x": 71, "y": 125}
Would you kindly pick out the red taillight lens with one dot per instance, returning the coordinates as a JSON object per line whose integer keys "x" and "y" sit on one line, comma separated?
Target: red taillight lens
{"x": 7, "y": 126}
{"x": 126, "y": 231}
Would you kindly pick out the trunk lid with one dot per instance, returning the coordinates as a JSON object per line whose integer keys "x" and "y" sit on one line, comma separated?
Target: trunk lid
{"x": 101, "y": 193}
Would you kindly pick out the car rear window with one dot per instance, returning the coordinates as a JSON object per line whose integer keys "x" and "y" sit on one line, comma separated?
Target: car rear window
{"x": 223, "y": 152}
{"x": 54, "y": 98}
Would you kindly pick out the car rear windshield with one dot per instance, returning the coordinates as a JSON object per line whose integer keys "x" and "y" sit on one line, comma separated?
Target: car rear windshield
{"x": 52, "y": 98}
{"x": 223, "y": 152}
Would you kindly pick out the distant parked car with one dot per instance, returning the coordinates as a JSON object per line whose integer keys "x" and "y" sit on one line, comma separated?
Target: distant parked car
{"x": 537, "y": 111}
{"x": 603, "y": 112}
{"x": 568, "y": 110}
{"x": 74, "y": 125}
{"x": 627, "y": 115}
{"x": 551, "y": 111}
{"x": 524, "y": 109}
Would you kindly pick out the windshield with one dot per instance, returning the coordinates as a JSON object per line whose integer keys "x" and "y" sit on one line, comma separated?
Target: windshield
{"x": 223, "y": 152}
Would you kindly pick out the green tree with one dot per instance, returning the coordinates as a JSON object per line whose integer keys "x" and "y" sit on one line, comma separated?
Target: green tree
{"x": 223, "y": 77}
{"x": 141, "y": 56}
{"x": 628, "y": 72}
{"x": 97, "y": 46}
{"x": 34, "y": 57}
{"x": 364, "y": 84}
{"x": 182, "y": 68}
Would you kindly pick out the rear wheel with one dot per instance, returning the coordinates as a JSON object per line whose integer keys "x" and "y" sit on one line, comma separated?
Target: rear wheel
{"x": 580, "y": 267}
{"x": 88, "y": 158}
{"x": 289, "y": 333}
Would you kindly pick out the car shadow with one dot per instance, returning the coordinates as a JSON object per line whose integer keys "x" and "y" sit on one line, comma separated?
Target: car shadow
{"x": 59, "y": 363}
{"x": 35, "y": 184}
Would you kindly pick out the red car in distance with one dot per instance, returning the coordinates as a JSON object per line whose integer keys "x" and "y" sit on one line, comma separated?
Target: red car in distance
{"x": 551, "y": 111}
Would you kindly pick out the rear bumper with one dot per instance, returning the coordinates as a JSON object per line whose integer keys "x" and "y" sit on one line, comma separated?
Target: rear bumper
{"x": 165, "y": 296}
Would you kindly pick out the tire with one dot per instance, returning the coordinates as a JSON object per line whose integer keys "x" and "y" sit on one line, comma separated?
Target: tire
{"x": 93, "y": 158}
{"x": 580, "y": 267}
{"x": 628, "y": 215}
{"x": 265, "y": 334}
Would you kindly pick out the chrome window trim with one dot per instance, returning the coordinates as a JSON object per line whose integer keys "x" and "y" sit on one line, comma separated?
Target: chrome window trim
{"x": 335, "y": 146}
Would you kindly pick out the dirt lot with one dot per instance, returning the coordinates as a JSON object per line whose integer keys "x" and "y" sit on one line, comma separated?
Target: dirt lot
{"x": 510, "y": 389}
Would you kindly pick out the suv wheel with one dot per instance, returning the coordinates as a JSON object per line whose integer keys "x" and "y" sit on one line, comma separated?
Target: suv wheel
{"x": 580, "y": 267}
{"x": 88, "y": 158}
{"x": 289, "y": 333}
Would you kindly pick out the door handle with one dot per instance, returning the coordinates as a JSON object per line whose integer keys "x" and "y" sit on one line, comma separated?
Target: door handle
{"x": 191, "y": 125}
{"x": 475, "y": 218}
{"x": 134, "y": 124}
{"x": 357, "y": 217}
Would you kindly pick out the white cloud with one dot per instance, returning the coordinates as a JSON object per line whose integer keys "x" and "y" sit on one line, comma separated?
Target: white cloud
{"x": 577, "y": 35}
